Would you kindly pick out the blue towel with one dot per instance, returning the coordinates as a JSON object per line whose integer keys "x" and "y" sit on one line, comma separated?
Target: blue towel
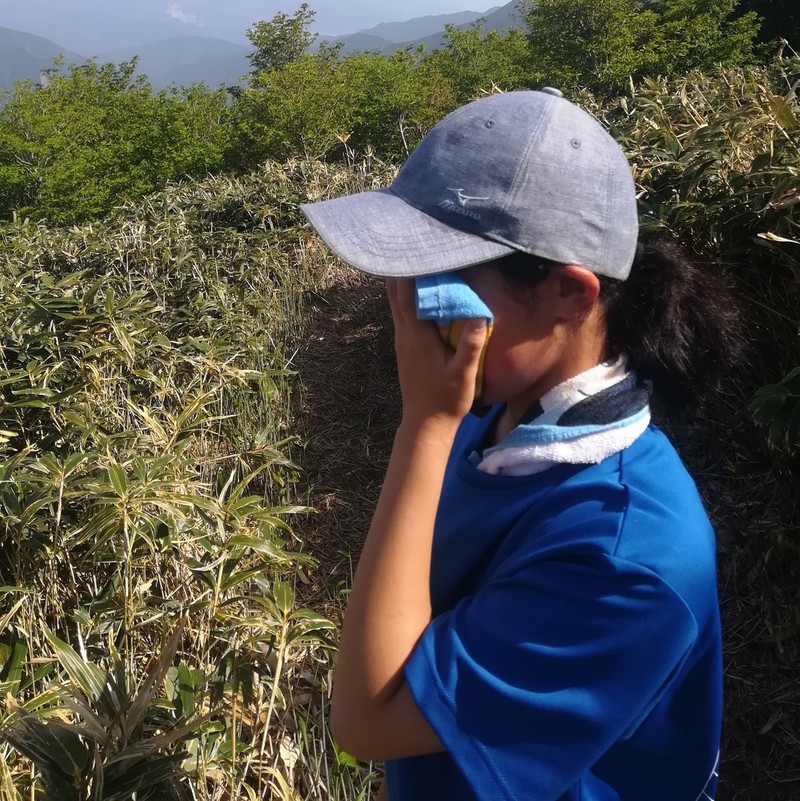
{"x": 446, "y": 297}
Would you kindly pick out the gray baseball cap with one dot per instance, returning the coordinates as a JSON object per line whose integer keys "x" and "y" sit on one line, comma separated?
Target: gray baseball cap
{"x": 520, "y": 171}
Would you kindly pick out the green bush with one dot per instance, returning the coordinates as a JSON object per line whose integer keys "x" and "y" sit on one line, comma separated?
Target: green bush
{"x": 603, "y": 45}
{"x": 146, "y": 479}
{"x": 717, "y": 160}
{"x": 94, "y": 135}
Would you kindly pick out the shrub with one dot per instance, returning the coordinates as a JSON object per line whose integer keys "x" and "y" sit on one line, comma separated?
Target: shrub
{"x": 92, "y": 136}
{"x": 146, "y": 478}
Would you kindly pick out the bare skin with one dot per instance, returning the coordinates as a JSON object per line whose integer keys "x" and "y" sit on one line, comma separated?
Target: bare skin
{"x": 539, "y": 341}
{"x": 373, "y": 714}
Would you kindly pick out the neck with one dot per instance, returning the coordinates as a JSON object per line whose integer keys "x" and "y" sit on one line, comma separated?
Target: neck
{"x": 516, "y": 408}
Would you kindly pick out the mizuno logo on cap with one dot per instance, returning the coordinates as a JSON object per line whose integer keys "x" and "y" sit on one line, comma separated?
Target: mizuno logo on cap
{"x": 459, "y": 205}
{"x": 464, "y": 199}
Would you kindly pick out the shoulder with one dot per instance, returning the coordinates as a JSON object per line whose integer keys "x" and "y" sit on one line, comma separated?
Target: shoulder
{"x": 639, "y": 508}
{"x": 645, "y": 487}
{"x": 666, "y": 527}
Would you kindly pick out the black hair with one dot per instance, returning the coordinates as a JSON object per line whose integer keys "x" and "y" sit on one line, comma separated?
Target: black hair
{"x": 676, "y": 320}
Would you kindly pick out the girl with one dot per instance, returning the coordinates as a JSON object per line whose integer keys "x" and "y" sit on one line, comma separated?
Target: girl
{"x": 534, "y": 614}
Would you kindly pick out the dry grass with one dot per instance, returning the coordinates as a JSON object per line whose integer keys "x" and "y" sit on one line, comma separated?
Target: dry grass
{"x": 147, "y": 418}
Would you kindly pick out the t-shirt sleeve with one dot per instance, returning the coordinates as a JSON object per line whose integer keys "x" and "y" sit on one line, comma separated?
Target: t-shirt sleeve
{"x": 531, "y": 679}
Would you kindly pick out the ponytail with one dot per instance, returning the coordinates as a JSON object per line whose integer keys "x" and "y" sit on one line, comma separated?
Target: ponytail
{"x": 678, "y": 323}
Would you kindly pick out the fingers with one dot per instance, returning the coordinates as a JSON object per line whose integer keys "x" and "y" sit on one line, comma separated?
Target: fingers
{"x": 391, "y": 292}
{"x": 471, "y": 345}
{"x": 434, "y": 380}
{"x": 400, "y": 292}
{"x": 402, "y": 301}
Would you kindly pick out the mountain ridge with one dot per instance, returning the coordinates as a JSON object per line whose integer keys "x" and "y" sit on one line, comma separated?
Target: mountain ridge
{"x": 194, "y": 58}
{"x": 420, "y": 27}
{"x": 187, "y": 59}
{"x": 499, "y": 18}
{"x": 23, "y": 56}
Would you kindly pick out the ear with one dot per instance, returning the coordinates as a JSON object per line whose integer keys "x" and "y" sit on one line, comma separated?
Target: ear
{"x": 577, "y": 290}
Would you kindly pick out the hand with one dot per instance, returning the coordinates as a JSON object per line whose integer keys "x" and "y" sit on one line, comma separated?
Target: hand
{"x": 436, "y": 383}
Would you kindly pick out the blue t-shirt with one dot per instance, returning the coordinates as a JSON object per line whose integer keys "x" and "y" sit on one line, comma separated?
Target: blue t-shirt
{"x": 575, "y": 650}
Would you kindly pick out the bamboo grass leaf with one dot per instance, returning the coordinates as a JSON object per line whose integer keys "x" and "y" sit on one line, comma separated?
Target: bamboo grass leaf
{"x": 141, "y": 779}
{"x": 117, "y": 477}
{"x": 258, "y": 545}
{"x": 9, "y": 616}
{"x": 186, "y": 690}
{"x": 782, "y": 110}
{"x": 236, "y": 578}
{"x": 154, "y": 745}
{"x": 11, "y": 673}
{"x": 284, "y": 596}
{"x": 154, "y": 679}
{"x": 88, "y": 677}
{"x": 55, "y": 749}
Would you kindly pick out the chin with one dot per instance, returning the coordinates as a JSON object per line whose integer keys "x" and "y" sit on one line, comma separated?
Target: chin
{"x": 488, "y": 398}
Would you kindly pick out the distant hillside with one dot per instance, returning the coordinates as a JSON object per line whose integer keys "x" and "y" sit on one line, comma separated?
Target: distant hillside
{"x": 421, "y": 27}
{"x": 389, "y": 36}
{"x": 94, "y": 26}
{"x": 501, "y": 19}
{"x": 25, "y": 56}
{"x": 359, "y": 43}
{"x": 184, "y": 60}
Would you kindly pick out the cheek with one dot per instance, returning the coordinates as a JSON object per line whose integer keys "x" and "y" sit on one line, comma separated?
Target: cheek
{"x": 509, "y": 368}
{"x": 521, "y": 351}
{"x": 517, "y": 353}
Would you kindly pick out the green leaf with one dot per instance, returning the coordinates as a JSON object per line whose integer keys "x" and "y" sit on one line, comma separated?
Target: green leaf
{"x": 118, "y": 479}
{"x": 140, "y": 779}
{"x": 154, "y": 679}
{"x": 260, "y": 545}
{"x": 284, "y": 596}
{"x": 89, "y": 678}
{"x": 53, "y": 747}
{"x": 782, "y": 109}
{"x": 13, "y": 666}
{"x": 345, "y": 759}
{"x": 186, "y": 690}
{"x": 8, "y": 616}
{"x": 310, "y": 631}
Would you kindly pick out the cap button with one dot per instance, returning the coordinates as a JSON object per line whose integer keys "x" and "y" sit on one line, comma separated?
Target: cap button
{"x": 548, "y": 90}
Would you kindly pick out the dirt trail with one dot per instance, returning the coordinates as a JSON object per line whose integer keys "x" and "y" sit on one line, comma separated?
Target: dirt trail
{"x": 350, "y": 411}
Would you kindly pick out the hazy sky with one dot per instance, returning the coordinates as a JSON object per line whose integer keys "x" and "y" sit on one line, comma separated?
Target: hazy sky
{"x": 333, "y": 16}
{"x": 212, "y": 17}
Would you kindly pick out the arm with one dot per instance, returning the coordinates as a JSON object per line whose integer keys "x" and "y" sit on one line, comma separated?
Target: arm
{"x": 373, "y": 714}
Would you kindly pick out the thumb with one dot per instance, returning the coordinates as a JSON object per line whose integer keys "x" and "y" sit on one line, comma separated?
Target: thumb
{"x": 471, "y": 344}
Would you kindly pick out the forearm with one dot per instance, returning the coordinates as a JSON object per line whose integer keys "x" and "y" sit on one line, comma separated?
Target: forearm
{"x": 373, "y": 713}
{"x": 390, "y": 604}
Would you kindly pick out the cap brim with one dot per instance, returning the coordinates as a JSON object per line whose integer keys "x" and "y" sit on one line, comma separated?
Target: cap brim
{"x": 378, "y": 232}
